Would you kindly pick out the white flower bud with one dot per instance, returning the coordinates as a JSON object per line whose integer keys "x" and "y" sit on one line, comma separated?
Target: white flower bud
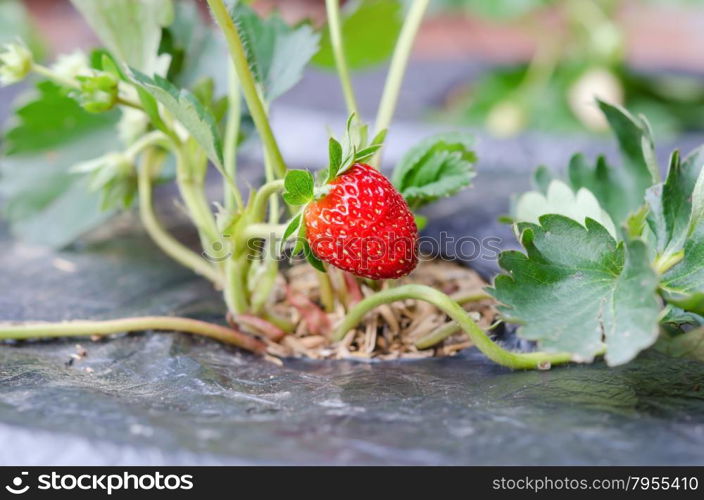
{"x": 594, "y": 83}
{"x": 506, "y": 119}
{"x": 69, "y": 66}
{"x": 132, "y": 125}
{"x": 15, "y": 63}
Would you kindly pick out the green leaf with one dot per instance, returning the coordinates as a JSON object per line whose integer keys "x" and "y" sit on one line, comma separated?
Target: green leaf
{"x": 184, "y": 106}
{"x": 683, "y": 284}
{"x": 421, "y": 221}
{"x": 670, "y": 203}
{"x": 676, "y": 320}
{"x": 311, "y": 258}
{"x": 602, "y": 182}
{"x": 560, "y": 199}
{"x": 576, "y": 289}
{"x": 380, "y": 137}
{"x": 299, "y": 187}
{"x": 130, "y": 29}
{"x": 542, "y": 178}
{"x": 301, "y": 240}
{"x": 636, "y": 222}
{"x": 50, "y": 119}
{"x": 437, "y": 167}
{"x": 635, "y": 140}
{"x": 370, "y": 29}
{"x": 293, "y": 226}
{"x": 107, "y": 63}
{"x": 204, "y": 91}
{"x": 335, "y": 153}
{"x": 352, "y": 120}
{"x": 184, "y": 39}
{"x": 688, "y": 345}
{"x": 620, "y": 191}
{"x": 366, "y": 153}
{"x": 676, "y": 219}
{"x": 356, "y": 149}
{"x": 195, "y": 47}
{"x": 151, "y": 108}
{"x": 696, "y": 216}
{"x": 43, "y": 201}
{"x": 276, "y": 52}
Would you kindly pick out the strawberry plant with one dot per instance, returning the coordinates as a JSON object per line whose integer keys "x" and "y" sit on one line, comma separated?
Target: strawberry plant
{"x": 612, "y": 261}
{"x": 612, "y": 255}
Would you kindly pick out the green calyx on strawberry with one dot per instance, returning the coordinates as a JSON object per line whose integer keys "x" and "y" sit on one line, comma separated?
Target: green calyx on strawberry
{"x": 356, "y": 221}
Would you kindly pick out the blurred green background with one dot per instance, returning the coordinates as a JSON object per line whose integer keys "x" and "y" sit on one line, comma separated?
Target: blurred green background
{"x": 545, "y": 60}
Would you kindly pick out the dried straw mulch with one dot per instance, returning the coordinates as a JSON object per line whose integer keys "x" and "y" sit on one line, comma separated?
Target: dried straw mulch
{"x": 389, "y": 332}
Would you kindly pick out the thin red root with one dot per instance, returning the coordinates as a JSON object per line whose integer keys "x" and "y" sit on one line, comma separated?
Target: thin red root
{"x": 269, "y": 330}
{"x": 354, "y": 293}
{"x": 317, "y": 322}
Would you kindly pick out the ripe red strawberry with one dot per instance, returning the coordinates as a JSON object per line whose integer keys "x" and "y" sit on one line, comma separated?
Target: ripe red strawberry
{"x": 363, "y": 225}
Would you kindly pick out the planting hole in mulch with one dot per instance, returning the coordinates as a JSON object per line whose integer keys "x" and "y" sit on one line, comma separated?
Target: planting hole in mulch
{"x": 403, "y": 329}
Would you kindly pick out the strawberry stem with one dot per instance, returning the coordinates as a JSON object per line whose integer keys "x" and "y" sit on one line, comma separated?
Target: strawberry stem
{"x": 437, "y": 336}
{"x": 270, "y": 266}
{"x": 236, "y": 285}
{"x": 263, "y": 231}
{"x": 521, "y": 361}
{"x": 261, "y": 198}
{"x": 153, "y": 138}
{"x": 174, "y": 249}
{"x": 397, "y": 69}
{"x": 190, "y": 178}
{"x": 271, "y": 177}
{"x": 337, "y": 280}
{"x": 470, "y": 297}
{"x": 448, "y": 329}
{"x": 101, "y": 328}
{"x": 233, "y": 197}
{"x": 285, "y": 324}
{"x": 236, "y": 281}
{"x": 338, "y": 48}
{"x": 327, "y": 294}
{"x": 266, "y": 278}
{"x": 248, "y": 84}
